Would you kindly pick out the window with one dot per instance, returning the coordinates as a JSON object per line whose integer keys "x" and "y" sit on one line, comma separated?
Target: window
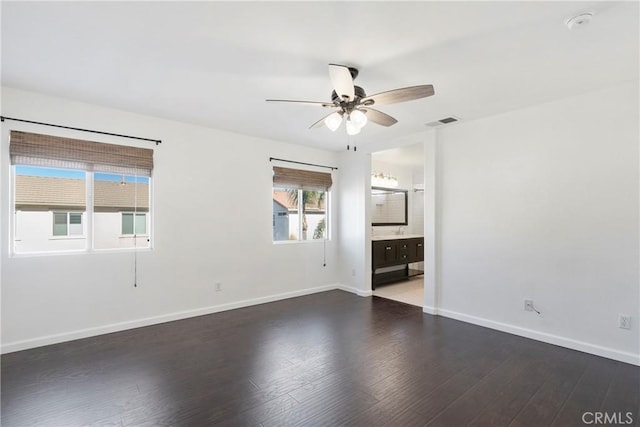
{"x": 130, "y": 227}
{"x": 67, "y": 224}
{"x": 55, "y": 177}
{"x": 300, "y": 201}
{"x": 121, "y": 205}
{"x": 49, "y": 209}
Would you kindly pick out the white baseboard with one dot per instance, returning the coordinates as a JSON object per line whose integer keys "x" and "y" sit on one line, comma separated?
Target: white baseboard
{"x": 430, "y": 310}
{"x": 154, "y": 320}
{"x": 607, "y": 352}
{"x": 356, "y": 291}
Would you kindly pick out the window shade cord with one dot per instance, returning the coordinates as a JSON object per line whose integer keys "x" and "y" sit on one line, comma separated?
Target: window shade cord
{"x": 135, "y": 232}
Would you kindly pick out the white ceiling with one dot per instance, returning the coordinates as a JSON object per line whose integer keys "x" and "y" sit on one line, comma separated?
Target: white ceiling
{"x": 214, "y": 63}
{"x": 408, "y": 155}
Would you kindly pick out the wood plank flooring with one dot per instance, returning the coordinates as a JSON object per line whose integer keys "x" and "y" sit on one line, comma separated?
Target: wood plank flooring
{"x": 321, "y": 360}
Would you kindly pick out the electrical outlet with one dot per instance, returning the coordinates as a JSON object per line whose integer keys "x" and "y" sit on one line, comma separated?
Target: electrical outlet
{"x": 624, "y": 321}
{"x": 528, "y": 305}
{"x": 218, "y": 286}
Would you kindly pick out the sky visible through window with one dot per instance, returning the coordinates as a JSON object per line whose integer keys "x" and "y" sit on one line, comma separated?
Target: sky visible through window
{"x": 75, "y": 174}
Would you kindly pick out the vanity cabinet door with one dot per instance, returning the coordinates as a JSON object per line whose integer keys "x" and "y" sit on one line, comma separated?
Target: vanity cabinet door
{"x": 385, "y": 253}
{"x": 416, "y": 249}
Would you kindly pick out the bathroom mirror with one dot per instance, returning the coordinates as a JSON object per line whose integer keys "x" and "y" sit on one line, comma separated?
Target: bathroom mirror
{"x": 388, "y": 206}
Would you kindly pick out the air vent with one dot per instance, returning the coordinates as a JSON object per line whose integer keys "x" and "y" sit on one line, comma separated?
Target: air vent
{"x": 442, "y": 122}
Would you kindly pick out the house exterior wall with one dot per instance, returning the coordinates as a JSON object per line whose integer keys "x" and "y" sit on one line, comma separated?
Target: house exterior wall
{"x": 34, "y": 233}
{"x": 280, "y": 222}
{"x": 108, "y": 232}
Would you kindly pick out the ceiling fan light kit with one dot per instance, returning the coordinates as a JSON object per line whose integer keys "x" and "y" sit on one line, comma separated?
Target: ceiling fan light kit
{"x": 354, "y": 106}
{"x": 358, "y": 117}
{"x": 333, "y": 120}
{"x": 352, "y": 128}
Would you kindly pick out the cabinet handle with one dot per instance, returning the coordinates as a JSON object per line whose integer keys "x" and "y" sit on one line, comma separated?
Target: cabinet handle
{"x": 388, "y": 248}
{"x": 419, "y": 244}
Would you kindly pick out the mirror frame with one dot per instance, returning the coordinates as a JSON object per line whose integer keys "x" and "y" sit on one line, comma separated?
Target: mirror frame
{"x": 406, "y": 207}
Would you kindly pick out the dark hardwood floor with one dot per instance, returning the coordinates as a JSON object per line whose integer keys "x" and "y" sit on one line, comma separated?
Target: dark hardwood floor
{"x": 320, "y": 360}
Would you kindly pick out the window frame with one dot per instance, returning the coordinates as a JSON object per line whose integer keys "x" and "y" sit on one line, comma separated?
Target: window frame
{"x": 300, "y": 210}
{"x": 88, "y": 224}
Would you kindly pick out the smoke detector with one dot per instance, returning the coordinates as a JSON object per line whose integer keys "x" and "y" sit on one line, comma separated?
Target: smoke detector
{"x": 579, "y": 21}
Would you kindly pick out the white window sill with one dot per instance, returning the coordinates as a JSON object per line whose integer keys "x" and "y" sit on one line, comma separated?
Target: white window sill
{"x": 119, "y": 250}
{"x": 67, "y": 237}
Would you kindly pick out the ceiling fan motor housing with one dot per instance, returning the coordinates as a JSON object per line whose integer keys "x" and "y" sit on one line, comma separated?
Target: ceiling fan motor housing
{"x": 359, "y": 93}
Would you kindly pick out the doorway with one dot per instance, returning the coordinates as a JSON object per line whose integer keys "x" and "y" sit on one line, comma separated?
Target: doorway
{"x": 400, "y": 169}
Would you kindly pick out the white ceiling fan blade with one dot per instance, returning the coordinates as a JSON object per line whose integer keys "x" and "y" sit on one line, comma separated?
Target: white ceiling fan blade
{"x": 342, "y": 81}
{"x": 379, "y": 117}
{"x": 399, "y": 95}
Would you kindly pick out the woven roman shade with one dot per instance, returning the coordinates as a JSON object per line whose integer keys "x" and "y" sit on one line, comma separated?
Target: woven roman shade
{"x": 301, "y": 179}
{"x": 53, "y": 151}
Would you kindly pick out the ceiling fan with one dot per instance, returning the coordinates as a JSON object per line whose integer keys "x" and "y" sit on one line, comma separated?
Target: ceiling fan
{"x": 353, "y": 104}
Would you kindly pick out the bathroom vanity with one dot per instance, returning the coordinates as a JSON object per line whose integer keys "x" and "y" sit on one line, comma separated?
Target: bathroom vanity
{"x": 393, "y": 251}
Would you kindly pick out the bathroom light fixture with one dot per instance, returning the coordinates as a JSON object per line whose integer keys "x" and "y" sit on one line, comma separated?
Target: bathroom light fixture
{"x": 379, "y": 179}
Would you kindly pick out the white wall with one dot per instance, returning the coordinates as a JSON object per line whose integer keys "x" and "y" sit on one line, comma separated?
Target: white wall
{"x": 354, "y": 220}
{"x": 221, "y": 180}
{"x": 543, "y": 203}
{"x": 416, "y": 209}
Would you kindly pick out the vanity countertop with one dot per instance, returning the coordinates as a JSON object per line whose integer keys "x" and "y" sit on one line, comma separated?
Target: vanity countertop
{"x": 396, "y": 237}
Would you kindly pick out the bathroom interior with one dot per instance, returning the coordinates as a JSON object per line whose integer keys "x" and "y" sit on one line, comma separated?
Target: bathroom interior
{"x": 397, "y": 226}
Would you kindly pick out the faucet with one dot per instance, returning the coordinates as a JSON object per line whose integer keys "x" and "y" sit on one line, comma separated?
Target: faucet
{"x": 400, "y": 230}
